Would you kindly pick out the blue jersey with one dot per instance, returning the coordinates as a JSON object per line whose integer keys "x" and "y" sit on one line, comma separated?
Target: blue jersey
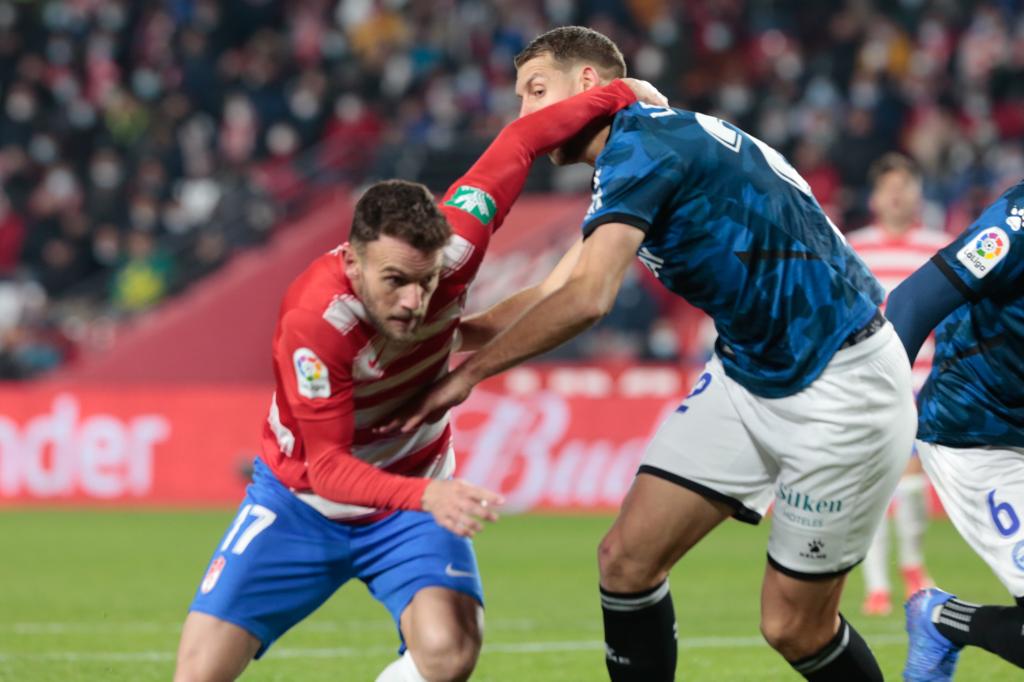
{"x": 975, "y": 392}
{"x": 732, "y": 228}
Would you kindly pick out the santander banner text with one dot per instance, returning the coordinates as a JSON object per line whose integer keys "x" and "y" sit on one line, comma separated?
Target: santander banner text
{"x": 548, "y": 437}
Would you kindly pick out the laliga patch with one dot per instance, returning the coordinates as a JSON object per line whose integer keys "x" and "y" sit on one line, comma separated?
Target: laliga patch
{"x": 984, "y": 251}
{"x": 311, "y": 374}
{"x": 475, "y": 202}
{"x": 213, "y": 574}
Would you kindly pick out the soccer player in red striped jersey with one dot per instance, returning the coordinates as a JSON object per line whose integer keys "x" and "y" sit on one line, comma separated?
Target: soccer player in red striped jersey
{"x": 893, "y": 247}
{"x": 360, "y": 331}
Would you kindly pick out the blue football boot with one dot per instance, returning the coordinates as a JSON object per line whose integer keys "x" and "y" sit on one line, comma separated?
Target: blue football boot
{"x": 930, "y": 656}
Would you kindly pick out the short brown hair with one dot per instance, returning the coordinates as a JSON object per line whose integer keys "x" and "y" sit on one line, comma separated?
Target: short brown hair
{"x": 403, "y": 210}
{"x": 893, "y": 161}
{"x": 571, "y": 44}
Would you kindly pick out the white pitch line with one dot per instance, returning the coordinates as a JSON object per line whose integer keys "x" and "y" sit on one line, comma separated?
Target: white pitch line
{"x": 96, "y": 628}
{"x": 360, "y": 652}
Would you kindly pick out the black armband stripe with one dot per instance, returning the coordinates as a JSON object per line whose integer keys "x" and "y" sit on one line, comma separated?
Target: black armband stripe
{"x": 625, "y": 218}
{"x": 954, "y": 279}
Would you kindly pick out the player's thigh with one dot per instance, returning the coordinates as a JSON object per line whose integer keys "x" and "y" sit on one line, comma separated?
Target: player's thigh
{"x": 703, "y": 446}
{"x": 842, "y": 444}
{"x": 213, "y": 650}
{"x": 982, "y": 491}
{"x": 408, "y": 552}
{"x": 699, "y": 469}
{"x": 277, "y": 562}
{"x": 658, "y": 523}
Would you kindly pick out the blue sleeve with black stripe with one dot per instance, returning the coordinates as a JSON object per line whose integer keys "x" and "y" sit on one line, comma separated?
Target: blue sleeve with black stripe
{"x": 635, "y": 176}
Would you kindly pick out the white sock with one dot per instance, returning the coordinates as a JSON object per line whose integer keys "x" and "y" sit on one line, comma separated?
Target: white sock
{"x": 911, "y": 517}
{"x": 402, "y": 670}
{"x": 876, "y": 562}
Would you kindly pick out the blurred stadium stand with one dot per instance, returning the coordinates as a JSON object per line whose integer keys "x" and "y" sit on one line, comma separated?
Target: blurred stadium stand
{"x": 145, "y": 144}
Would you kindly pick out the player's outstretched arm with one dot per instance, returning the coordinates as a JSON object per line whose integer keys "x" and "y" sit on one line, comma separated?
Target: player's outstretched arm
{"x": 490, "y": 187}
{"x": 586, "y": 297}
{"x": 919, "y": 303}
{"x": 477, "y": 330}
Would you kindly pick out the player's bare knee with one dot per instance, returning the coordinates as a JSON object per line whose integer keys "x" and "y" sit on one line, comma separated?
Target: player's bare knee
{"x": 212, "y": 650}
{"x": 625, "y": 570}
{"x": 195, "y": 666}
{"x": 446, "y": 653}
{"x": 793, "y": 635}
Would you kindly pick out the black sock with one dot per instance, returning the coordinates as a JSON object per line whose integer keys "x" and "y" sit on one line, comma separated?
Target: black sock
{"x": 999, "y": 629}
{"x": 640, "y": 635}
{"x": 846, "y": 658}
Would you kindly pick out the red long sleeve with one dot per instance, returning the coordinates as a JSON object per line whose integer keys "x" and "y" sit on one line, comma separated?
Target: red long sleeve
{"x": 327, "y": 425}
{"x": 336, "y": 475}
{"x": 502, "y": 169}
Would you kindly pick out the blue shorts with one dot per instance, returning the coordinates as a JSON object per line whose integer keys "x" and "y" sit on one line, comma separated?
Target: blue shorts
{"x": 280, "y": 559}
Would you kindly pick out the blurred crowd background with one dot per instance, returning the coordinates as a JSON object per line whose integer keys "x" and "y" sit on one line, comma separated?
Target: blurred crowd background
{"x": 143, "y": 143}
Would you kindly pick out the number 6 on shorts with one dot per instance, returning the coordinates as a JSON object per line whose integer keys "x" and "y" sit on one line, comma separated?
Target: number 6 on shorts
{"x": 1003, "y": 511}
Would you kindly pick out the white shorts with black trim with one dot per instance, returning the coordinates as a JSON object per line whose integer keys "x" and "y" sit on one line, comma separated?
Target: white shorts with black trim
{"x": 829, "y": 457}
{"x": 982, "y": 491}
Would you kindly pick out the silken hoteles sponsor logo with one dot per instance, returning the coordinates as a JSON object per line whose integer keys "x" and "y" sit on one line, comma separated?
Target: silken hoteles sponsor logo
{"x": 804, "y": 509}
{"x": 64, "y": 452}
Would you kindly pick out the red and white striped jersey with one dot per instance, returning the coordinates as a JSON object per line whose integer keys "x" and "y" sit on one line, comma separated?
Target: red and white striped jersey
{"x": 332, "y": 365}
{"x": 894, "y": 258}
{"x": 337, "y": 377}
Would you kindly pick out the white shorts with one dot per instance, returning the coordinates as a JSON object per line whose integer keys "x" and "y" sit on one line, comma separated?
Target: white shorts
{"x": 829, "y": 456}
{"x": 982, "y": 490}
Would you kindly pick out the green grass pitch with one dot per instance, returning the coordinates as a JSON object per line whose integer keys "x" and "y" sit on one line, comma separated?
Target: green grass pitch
{"x": 99, "y": 595}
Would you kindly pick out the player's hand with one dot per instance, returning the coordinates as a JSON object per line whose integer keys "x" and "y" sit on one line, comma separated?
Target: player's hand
{"x": 429, "y": 406}
{"x": 645, "y": 92}
{"x": 461, "y": 507}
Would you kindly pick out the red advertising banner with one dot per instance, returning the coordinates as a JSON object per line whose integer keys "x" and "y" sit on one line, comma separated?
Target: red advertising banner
{"x": 551, "y": 437}
{"x": 127, "y": 445}
{"x": 563, "y": 437}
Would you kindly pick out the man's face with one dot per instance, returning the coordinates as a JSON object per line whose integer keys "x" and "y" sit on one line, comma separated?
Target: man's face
{"x": 541, "y": 81}
{"x": 394, "y": 281}
{"x": 896, "y": 199}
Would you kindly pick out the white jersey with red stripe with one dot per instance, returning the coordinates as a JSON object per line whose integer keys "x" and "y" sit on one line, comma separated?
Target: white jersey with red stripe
{"x": 894, "y": 258}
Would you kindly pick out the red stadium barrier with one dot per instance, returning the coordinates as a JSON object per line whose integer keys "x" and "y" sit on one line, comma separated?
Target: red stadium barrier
{"x": 555, "y": 437}
{"x": 547, "y": 437}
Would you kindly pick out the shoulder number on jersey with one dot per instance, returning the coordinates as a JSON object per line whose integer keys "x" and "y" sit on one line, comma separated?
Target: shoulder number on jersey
{"x": 733, "y": 140}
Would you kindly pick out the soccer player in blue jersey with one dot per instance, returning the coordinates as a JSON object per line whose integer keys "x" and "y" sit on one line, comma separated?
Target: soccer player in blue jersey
{"x": 971, "y": 426}
{"x": 807, "y": 400}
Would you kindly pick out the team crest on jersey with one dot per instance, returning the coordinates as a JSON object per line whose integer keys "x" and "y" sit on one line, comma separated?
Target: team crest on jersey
{"x": 1018, "y": 555}
{"x": 984, "y": 251}
{"x": 475, "y": 202}
{"x": 312, "y": 375}
{"x": 1015, "y": 219}
{"x": 368, "y": 364}
{"x": 213, "y": 575}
